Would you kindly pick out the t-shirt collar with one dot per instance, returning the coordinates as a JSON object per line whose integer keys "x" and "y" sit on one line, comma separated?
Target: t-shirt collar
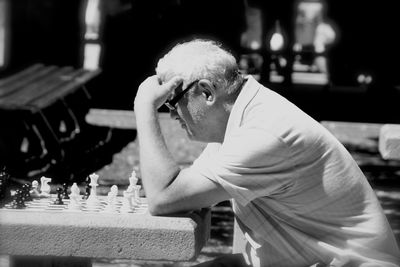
{"x": 249, "y": 90}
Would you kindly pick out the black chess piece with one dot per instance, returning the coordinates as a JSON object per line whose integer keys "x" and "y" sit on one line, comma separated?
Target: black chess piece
{"x": 2, "y": 189}
{"x": 87, "y": 188}
{"x": 4, "y": 182}
{"x": 18, "y": 200}
{"x": 59, "y": 200}
{"x": 26, "y": 188}
{"x": 65, "y": 191}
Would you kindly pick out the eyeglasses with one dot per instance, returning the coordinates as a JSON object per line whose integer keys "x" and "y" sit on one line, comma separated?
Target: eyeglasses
{"x": 171, "y": 104}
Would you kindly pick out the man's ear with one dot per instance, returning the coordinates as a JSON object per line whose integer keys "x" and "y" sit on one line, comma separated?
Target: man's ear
{"x": 208, "y": 90}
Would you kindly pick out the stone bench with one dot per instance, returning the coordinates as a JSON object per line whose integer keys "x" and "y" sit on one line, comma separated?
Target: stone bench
{"x": 389, "y": 141}
{"x": 385, "y": 138}
{"x": 51, "y": 238}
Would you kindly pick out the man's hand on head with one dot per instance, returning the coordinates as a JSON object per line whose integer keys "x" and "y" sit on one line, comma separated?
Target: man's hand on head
{"x": 153, "y": 94}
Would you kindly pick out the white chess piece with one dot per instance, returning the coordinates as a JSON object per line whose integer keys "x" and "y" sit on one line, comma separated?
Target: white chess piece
{"x": 74, "y": 198}
{"x": 93, "y": 201}
{"x": 133, "y": 180}
{"x": 114, "y": 190}
{"x": 35, "y": 189}
{"x": 127, "y": 205}
{"x": 133, "y": 187}
{"x": 137, "y": 195}
{"x": 112, "y": 200}
{"x": 45, "y": 187}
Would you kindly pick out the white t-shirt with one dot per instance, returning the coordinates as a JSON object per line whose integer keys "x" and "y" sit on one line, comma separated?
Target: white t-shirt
{"x": 297, "y": 193}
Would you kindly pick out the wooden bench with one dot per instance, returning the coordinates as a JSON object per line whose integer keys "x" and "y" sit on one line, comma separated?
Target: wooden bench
{"x": 39, "y": 86}
{"x": 41, "y": 108}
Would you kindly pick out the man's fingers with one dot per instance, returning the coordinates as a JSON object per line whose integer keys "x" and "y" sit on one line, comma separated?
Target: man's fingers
{"x": 150, "y": 91}
{"x": 173, "y": 83}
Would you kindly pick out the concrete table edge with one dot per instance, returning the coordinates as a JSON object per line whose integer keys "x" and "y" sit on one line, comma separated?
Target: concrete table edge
{"x": 101, "y": 235}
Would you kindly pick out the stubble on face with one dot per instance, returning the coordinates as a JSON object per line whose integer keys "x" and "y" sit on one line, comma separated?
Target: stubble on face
{"x": 191, "y": 116}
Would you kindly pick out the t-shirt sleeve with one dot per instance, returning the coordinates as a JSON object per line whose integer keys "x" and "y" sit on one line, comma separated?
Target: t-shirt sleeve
{"x": 249, "y": 164}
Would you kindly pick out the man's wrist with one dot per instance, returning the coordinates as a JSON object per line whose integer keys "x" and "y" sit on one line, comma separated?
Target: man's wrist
{"x": 144, "y": 106}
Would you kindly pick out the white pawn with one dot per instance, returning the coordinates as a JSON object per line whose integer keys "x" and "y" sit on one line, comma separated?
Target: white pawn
{"x": 112, "y": 200}
{"x": 133, "y": 187}
{"x": 93, "y": 201}
{"x": 45, "y": 187}
{"x": 127, "y": 205}
{"x": 112, "y": 195}
{"x": 34, "y": 192}
{"x": 74, "y": 198}
{"x": 133, "y": 180}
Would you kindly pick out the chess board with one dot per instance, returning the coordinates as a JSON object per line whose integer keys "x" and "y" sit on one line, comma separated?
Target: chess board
{"x": 47, "y": 204}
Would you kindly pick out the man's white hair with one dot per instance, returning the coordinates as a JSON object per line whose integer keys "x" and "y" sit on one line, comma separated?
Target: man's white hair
{"x": 200, "y": 59}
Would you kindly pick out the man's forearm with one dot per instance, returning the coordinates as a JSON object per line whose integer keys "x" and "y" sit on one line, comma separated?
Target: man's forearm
{"x": 158, "y": 168}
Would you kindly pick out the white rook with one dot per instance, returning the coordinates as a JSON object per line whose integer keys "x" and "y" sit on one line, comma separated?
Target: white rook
{"x": 389, "y": 141}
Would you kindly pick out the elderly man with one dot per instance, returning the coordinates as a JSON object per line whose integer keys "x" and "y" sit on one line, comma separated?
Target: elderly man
{"x": 296, "y": 192}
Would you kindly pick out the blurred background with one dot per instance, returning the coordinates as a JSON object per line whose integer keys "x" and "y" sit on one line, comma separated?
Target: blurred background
{"x": 62, "y": 59}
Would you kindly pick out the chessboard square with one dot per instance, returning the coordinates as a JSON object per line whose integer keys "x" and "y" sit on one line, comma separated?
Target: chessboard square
{"x": 54, "y": 209}
{"x": 91, "y": 210}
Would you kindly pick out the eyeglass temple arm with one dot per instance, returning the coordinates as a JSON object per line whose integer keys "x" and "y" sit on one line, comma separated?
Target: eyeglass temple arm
{"x": 181, "y": 93}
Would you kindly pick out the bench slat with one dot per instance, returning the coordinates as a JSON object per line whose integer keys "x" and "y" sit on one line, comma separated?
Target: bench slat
{"x": 36, "y": 89}
{"x": 24, "y": 81}
{"x": 20, "y": 75}
{"x": 72, "y": 83}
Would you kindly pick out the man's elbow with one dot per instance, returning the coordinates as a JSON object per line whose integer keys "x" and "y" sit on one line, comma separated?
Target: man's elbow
{"x": 157, "y": 207}
{"x": 154, "y": 209}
